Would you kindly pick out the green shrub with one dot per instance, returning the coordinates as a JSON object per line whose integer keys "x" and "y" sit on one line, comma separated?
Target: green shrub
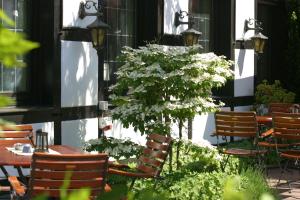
{"x": 272, "y": 93}
{"x": 196, "y": 158}
{"x": 200, "y": 177}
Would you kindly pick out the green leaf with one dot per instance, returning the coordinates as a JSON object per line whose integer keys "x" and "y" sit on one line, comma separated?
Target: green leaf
{"x": 5, "y": 18}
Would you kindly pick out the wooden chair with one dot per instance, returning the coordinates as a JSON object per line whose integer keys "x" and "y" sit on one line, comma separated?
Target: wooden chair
{"x": 150, "y": 163}
{"x": 268, "y": 141}
{"x": 283, "y": 107}
{"x": 287, "y": 135}
{"x": 12, "y": 134}
{"x": 49, "y": 172}
{"x": 238, "y": 125}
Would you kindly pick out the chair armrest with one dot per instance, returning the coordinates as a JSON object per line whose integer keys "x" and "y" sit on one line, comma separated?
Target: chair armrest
{"x": 16, "y": 185}
{"x": 267, "y": 133}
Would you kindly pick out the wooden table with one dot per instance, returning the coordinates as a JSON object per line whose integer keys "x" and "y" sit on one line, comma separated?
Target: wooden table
{"x": 11, "y": 159}
{"x": 8, "y": 158}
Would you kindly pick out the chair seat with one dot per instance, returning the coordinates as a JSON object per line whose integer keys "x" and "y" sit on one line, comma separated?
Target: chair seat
{"x": 292, "y": 154}
{"x": 244, "y": 152}
{"x": 273, "y": 145}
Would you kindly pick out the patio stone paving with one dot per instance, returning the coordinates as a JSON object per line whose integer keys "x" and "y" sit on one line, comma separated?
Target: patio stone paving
{"x": 284, "y": 191}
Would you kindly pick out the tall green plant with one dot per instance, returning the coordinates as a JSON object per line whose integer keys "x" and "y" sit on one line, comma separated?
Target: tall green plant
{"x": 158, "y": 85}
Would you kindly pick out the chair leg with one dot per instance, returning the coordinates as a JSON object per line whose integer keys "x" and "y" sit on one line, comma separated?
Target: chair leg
{"x": 223, "y": 165}
{"x": 132, "y": 183}
{"x": 4, "y": 171}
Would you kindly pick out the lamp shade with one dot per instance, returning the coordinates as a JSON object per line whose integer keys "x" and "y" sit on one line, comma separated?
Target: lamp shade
{"x": 259, "y": 41}
{"x": 191, "y": 36}
{"x": 98, "y": 29}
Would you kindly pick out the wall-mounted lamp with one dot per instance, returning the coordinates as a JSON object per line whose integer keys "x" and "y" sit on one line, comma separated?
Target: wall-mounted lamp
{"x": 98, "y": 27}
{"x": 258, "y": 39}
{"x": 98, "y": 30}
{"x": 190, "y": 36}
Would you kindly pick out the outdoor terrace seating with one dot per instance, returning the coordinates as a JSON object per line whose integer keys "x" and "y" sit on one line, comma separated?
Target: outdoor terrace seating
{"x": 238, "y": 125}
{"x": 49, "y": 171}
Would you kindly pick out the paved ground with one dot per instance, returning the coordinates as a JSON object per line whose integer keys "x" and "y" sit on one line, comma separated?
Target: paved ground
{"x": 283, "y": 187}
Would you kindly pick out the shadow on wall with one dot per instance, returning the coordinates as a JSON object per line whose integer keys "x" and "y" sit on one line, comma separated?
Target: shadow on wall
{"x": 170, "y": 8}
{"x": 79, "y": 74}
{"x": 74, "y": 132}
{"x": 244, "y": 86}
{"x": 118, "y": 131}
{"x": 240, "y": 61}
{"x": 79, "y": 79}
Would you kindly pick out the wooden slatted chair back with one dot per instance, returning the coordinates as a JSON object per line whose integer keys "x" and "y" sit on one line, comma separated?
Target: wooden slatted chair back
{"x": 236, "y": 124}
{"x": 49, "y": 172}
{"x": 286, "y": 125}
{"x": 11, "y": 134}
{"x": 283, "y": 107}
{"x": 155, "y": 154}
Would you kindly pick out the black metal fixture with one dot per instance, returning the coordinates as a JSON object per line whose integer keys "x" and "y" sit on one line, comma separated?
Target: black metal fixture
{"x": 258, "y": 39}
{"x": 98, "y": 31}
{"x": 190, "y": 36}
{"x": 98, "y": 27}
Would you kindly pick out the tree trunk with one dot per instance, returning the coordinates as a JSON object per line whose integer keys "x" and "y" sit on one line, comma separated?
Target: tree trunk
{"x": 179, "y": 144}
{"x": 190, "y": 128}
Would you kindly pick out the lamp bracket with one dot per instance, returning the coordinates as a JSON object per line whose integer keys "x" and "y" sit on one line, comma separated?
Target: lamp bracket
{"x": 182, "y": 14}
{"x": 255, "y": 25}
{"x": 88, "y": 5}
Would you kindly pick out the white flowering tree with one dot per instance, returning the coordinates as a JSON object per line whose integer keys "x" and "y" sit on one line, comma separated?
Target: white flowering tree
{"x": 159, "y": 84}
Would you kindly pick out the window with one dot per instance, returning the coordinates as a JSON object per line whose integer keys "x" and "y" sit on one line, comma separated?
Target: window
{"x": 120, "y": 15}
{"x": 201, "y": 11}
{"x": 13, "y": 79}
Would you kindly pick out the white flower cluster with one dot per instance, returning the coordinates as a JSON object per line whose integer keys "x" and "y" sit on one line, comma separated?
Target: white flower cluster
{"x": 158, "y": 80}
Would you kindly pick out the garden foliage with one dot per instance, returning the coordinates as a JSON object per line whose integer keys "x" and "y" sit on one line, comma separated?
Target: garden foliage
{"x": 114, "y": 147}
{"x": 273, "y": 93}
{"x": 200, "y": 177}
{"x": 159, "y": 84}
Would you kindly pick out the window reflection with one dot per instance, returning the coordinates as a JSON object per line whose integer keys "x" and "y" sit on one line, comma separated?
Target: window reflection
{"x": 201, "y": 10}
{"x": 120, "y": 15}
{"x": 13, "y": 79}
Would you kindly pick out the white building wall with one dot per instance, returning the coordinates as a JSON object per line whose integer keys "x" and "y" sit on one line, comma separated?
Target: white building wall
{"x": 170, "y": 8}
{"x": 79, "y": 77}
{"x": 244, "y": 59}
{"x": 76, "y": 132}
{"x": 79, "y": 74}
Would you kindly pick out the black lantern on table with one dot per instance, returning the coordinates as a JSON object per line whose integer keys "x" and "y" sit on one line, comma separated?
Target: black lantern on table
{"x": 41, "y": 143}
